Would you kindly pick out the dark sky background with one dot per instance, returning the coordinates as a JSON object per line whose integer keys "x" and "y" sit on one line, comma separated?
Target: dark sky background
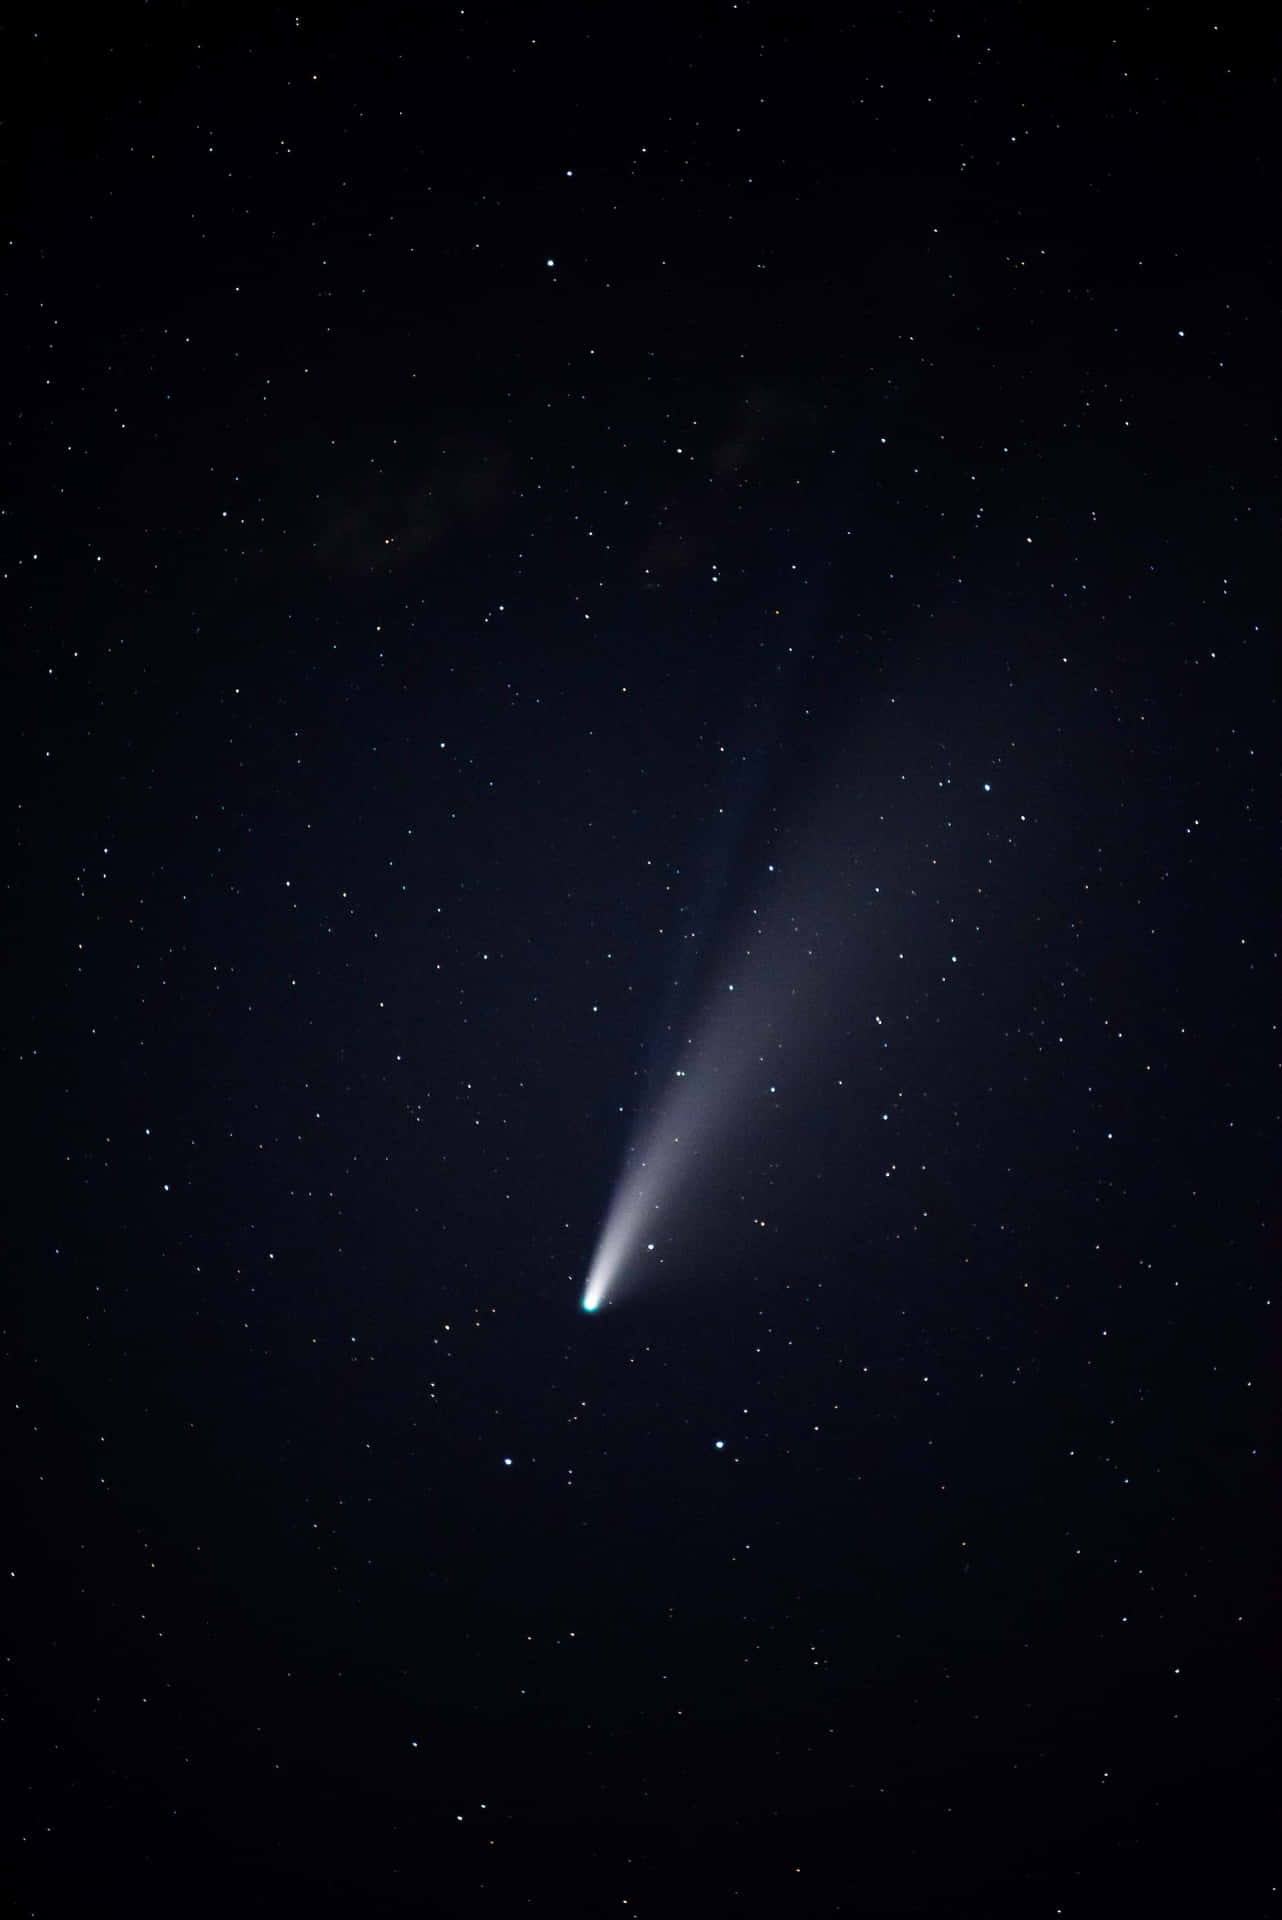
{"x": 517, "y": 523}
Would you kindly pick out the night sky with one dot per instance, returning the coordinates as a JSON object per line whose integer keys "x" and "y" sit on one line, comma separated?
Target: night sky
{"x": 641, "y": 646}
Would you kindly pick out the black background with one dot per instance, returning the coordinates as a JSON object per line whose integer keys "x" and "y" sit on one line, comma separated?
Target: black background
{"x": 482, "y": 487}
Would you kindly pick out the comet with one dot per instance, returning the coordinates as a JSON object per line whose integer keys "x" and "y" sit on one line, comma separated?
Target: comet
{"x": 695, "y": 1116}
{"x": 620, "y": 1240}
{"x": 780, "y": 993}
